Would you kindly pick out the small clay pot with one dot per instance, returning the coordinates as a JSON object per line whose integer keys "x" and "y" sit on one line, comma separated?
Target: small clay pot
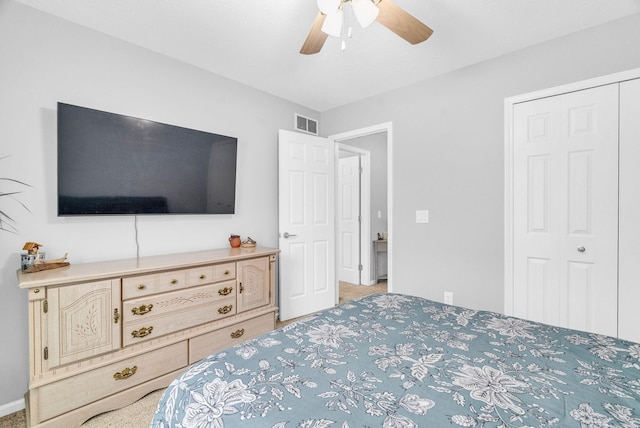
{"x": 235, "y": 241}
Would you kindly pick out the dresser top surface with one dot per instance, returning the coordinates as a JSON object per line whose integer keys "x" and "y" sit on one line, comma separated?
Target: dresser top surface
{"x": 136, "y": 266}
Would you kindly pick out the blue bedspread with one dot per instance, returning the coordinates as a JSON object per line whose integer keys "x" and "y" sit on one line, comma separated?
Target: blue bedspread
{"x": 400, "y": 361}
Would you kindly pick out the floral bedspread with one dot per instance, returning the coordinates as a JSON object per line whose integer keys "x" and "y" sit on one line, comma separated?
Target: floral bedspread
{"x": 392, "y": 360}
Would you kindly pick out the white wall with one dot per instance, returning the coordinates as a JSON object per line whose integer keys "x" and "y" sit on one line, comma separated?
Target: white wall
{"x": 448, "y": 136}
{"x": 46, "y": 60}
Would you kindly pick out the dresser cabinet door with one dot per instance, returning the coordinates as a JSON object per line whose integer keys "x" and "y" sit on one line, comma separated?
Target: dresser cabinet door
{"x": 253, "y": 283}
{"x": 83, "y": 321}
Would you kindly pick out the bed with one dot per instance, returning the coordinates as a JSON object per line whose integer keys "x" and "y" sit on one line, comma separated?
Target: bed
{"x": 394, "y": 360}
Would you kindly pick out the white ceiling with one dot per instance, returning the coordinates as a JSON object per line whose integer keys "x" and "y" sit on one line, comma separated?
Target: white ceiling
{"x": 256, "y": 42}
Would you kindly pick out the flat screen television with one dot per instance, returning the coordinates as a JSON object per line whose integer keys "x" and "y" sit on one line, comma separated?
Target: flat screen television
{"x": 110, "y": 164}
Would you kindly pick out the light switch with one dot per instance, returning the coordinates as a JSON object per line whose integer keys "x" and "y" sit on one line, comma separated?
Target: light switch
{"x": 422, "y": 216}
{"x": 379, "y": 214}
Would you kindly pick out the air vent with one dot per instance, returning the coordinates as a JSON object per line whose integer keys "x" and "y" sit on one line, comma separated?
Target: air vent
{"x": 305, "y": 124}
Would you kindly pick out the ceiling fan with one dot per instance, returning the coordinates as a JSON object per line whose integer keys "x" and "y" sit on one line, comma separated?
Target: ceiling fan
{"x": 386, "y": 12}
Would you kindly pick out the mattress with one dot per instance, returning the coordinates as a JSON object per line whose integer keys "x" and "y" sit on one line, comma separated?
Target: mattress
{"x": 395, "y": 360}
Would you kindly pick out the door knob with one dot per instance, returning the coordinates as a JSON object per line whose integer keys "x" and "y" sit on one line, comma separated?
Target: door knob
{"x": 581, "y": 249}
{"x": 287, "y": 235}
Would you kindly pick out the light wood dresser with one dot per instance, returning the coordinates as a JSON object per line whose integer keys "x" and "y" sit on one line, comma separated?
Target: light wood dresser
{"x": 102, "y": 335}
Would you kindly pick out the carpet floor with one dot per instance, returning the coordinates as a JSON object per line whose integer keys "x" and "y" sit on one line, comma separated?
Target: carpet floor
{"x": 139, "y": 414}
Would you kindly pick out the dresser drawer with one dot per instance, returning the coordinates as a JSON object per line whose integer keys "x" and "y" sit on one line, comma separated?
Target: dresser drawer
{"x": 200, "y": 276}
{"x": 144, "y": 285}
{"x": 68, "y": 394}
{"x": 206, "y": 344}
{"x": 211, "y": 273}
{"x": 183, "y": 301}
{"x": 154, "y": 316}
{"x": 224, "y": 271}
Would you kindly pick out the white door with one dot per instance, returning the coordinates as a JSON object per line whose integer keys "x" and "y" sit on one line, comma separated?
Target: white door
{"x": 306, "y": 224}
{"x": 565, "y": 210}
{"x": 348, "y": 176}
{"x": 628, "y": 290}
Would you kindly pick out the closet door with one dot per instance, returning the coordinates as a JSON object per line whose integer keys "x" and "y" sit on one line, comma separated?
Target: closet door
{"x": 629, "y": 286}
{"x": 565, "y": 209}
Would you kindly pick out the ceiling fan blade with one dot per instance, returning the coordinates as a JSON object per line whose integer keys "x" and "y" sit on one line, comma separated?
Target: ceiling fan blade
{"x": 316, "y": 37}
{"x": 402, "y": 23}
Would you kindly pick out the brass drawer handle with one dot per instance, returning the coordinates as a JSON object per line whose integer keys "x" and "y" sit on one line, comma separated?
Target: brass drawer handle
{"x": 144, "y": 331}
{"x": 237, "y": 334}
{"x": 225, "y": 309}
{"x": 174, "y": 281}
{"x": 226, "y": 272}
{"x": 143, "y": 309}
{"x": 141, "y": 287}
{"x": 126, "y": 373}
{"x": 225, "y": 291}
{"x": 202, "y": 276}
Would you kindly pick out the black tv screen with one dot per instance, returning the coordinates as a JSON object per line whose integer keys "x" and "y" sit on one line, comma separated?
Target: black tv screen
{"x": 111, "y": 164}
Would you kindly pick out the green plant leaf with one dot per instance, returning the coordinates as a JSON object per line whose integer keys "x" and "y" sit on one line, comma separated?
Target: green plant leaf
{"x": 7, "y": 223}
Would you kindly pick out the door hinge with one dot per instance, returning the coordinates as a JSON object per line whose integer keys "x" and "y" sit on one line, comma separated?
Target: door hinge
{"x": 45, "y": 306}
{"x": 359, "y": 219}
{"x": 359, "y": 267}
{"x": 46, "y": 352}
{"x": 360, "y": 170}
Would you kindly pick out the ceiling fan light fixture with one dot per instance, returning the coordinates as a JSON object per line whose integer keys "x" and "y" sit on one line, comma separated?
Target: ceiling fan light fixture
{"x": 365, "y": 11}
{"x": 328, "y": 7}
{"x": 329, "y": 21}
{"x": 333, "y": 24}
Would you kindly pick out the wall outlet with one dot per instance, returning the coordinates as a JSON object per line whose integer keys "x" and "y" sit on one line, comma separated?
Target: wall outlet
{"x": 448, "y": 297}
{"x": 422, "y": 216}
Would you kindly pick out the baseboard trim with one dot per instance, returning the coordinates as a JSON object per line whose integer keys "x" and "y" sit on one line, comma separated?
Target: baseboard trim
{"x": 9, "y": 408}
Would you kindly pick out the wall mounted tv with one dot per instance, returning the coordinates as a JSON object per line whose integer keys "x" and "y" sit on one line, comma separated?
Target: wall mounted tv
{"x": 111, "y": 164}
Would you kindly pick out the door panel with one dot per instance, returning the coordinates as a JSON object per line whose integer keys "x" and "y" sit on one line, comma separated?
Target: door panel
{"x": 538, "y": 288}
{"x": 565, "y": 209}
{"x": 538, "y": 209}
{"x": 579, "y": 313}
{"x": 306, "y": 224}
{"x": 536, "y": 254}
{"x": 629, "y": 288}
{"x": 580, "y": 193}
{"x": 349, "y": 219}
{"x": 321, "y": 283}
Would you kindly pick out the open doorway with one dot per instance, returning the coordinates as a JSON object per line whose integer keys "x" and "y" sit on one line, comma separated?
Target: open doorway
{"x": 370, "y": 149}
{"x": 353, "y": 175}
{"x": 307, "y": 280}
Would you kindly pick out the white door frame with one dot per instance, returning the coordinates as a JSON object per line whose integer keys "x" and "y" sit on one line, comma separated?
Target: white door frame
{"x": 362, "y": 132}
{"x": 365, "y": 210}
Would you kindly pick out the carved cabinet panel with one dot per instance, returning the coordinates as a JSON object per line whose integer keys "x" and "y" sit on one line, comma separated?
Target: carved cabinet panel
{"x": 82, "y": 321}
{"x": 253, "y": 283}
